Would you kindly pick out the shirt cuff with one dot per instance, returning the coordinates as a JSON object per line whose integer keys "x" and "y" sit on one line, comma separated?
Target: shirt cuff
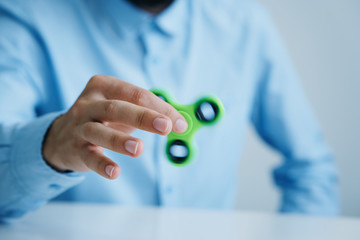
{"x": 30, "y": 170}
{"x": 310, "y": 201}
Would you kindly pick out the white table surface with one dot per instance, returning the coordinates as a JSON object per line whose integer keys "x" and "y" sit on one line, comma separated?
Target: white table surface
{"x": 81, "y": 221}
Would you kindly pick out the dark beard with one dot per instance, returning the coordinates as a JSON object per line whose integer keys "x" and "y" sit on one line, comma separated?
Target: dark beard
{"x": 151, "y": 3}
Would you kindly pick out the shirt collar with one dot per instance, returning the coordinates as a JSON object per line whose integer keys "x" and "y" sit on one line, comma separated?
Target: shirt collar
{"x": 174, "y": 19}
{"x": 133, "y": 20}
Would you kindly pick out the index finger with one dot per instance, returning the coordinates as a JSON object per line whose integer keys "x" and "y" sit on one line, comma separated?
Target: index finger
{"x": 114, "y": 88}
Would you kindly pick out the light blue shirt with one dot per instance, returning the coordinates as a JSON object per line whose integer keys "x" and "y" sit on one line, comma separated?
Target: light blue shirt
{"x": 50, "y": 49}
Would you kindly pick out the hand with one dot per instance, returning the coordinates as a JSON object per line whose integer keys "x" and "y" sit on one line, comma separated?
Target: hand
{"x": 104, "y": 115}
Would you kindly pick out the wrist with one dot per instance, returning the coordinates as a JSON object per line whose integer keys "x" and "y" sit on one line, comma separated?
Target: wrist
{"x": 49, "y": 148}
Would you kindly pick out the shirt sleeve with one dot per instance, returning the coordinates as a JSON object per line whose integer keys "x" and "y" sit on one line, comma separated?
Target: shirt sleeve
{"x": 27, "y": 182}
{"x": 282, "y": 116}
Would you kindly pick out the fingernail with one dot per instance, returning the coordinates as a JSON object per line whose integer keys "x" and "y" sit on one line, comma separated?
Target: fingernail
{"x": 109, "y": 170}
{"x": 131, "y": 146}
{"x": 161, "y": 124}
{"x": 180, "y": 126}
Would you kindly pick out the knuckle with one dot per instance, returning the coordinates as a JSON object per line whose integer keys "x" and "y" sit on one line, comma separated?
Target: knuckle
{"x": 96, "y": 79}
{"x": 138, "y": 96}
{"x": 110, "y": 108}
{"x": 169, "y": 111}
{"x": 115, "y": 141}
{"x": 140, "y": 118}
{"x": 77, "y": 110}
{"x": 100, "y": 166}
{"x": 96, "y": 82}
{"x": 80, "y": 103}
{"x": 75, "y": 115}
{"x": 88, "y": 130}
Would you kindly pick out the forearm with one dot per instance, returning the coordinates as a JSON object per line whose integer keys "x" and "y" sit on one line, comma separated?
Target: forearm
{"x": 308, "y": 186}
{"x": 284, "y": 119}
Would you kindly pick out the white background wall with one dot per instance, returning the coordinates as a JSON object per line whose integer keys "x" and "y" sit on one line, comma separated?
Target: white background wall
{"x": 323, "y": 38}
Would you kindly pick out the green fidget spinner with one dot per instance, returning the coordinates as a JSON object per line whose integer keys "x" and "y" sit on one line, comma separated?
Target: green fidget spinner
{"x": 180, "y": 147}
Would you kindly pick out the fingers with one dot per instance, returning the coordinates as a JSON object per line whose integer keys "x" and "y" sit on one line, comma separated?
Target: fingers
{"x": 108, "y": 110}
{"x": 96, "y": 161}
{"x": 131, "y": 115}
{"x": 113, "y": 88}
{"x": 120, "y": 127}
{"x": 98, "y": 134}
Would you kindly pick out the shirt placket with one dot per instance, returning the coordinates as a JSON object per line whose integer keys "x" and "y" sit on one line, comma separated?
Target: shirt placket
{"x": 154, "y": 69}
